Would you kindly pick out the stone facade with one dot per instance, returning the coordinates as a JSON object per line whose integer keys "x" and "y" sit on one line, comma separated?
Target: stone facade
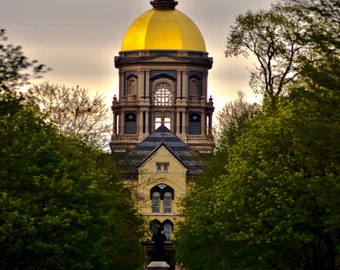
{"x": 162, "y": 88}
{"x": 162, "y": 117}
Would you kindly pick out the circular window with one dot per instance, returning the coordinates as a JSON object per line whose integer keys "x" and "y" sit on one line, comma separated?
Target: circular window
{"x": 162, "y": 95}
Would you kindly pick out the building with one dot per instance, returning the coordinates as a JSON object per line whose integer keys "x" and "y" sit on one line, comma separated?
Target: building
{"x": 162, "y": 118}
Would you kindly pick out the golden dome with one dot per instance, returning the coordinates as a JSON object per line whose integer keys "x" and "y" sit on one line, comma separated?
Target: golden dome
{"x": 163, "y": 29}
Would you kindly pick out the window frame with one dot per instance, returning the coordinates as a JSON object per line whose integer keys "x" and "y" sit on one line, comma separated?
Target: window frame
{"x": 163, "y": 94}
{"x": 162, "y": 197}
{"x": 167, "y": 202}
{"x": 156, "y": 202}
{"x": 162, "y": 167}
{"x": 167, "y": 230}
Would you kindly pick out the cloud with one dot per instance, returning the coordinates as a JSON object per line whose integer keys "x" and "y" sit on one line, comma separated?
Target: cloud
{"x": 80, "y": 38}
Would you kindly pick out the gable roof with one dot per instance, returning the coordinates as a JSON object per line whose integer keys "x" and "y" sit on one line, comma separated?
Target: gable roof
{"x": 162, "y": 144}
{"x": 130, "y": 161}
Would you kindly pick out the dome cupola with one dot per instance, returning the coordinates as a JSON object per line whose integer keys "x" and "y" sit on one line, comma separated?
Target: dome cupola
{"x": 164, "y": 4}
{"x": 163, "y": 28}
{"x": 163, "y": 81}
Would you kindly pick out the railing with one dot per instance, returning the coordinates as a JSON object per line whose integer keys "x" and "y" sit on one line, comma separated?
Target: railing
{"x": 132, "y": 137}
{"x": 198, "y": 137}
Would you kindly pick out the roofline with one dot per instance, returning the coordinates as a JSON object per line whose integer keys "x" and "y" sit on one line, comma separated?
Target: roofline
{"x": 156, "y": 149}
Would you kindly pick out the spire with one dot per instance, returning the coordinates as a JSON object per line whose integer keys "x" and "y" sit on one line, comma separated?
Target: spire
{"x": 164, "y": 4}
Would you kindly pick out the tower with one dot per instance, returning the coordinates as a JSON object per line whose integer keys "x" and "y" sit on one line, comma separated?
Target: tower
{"x": 163, "y": 76}
{"x": 162, "y": 118}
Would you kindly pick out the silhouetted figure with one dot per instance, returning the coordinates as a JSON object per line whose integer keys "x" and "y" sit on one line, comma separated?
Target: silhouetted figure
{"x": 158, "y": 247}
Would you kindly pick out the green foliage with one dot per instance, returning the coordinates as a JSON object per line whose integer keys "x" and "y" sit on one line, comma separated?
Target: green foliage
{"x": 277, "y": 205}
{"x": 232, "y": 122}
{"x": 62, "y": 203}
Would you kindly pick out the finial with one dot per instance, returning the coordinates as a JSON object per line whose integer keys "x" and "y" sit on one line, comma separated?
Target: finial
{"x": 114, "y": 101}
{"x": 164, "y": 4}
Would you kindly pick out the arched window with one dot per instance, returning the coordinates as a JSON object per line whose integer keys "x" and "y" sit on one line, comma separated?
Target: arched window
{"x": 167, "y": 228}
{"x": 156, "y": 202}
{"x": 154, "y": 225}
{"x": 162, "y": 95}
{"x": 194, "y": 88}
{"x": 162, "y": 194}
{"x": 132, "y": 87}
{"x": 167, "y": 202}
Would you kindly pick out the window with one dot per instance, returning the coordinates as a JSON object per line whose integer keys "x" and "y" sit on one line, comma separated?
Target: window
{"x": 162, "y": 167}
{"x": 162, "y": 196}
{"x": 159, "y": 166}
{"x": 163, "y": 95}
{"x": 132, "y": 87}
{"x": 154, "y": 225}
{"x": 194, "y": 88}
{"x": 167, "y": 228}
{"x": 165, "y": 167}
{"x": 130, "y": 125}
{"x": 156, "y": 200}
{"x": 167, "y": 120}
{"x": 158, "y": 120}
{"x": 194, "y": 123}
{"x": 167, "y": 202}
{"x": 163, "y": 118}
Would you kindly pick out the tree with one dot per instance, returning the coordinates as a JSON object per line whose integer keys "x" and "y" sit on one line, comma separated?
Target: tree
{"x": 74, "y": 112}
{"x": 276, "y": 207}
{"x": 276, "y": 204}
{"x": 325, "y": 23}
{"x": 15, "y": 68}
{"x": 62, "y": 203}
{"x": 231, "y": 121}
{"x": 275, "y": 38}
{"x": 322, "y": 70}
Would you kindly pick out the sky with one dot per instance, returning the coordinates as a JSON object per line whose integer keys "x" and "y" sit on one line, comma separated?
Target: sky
{"x": 79, "y": 39}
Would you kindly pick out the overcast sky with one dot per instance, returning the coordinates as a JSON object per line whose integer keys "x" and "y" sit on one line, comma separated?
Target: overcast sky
{"x": 79, "y": 39}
